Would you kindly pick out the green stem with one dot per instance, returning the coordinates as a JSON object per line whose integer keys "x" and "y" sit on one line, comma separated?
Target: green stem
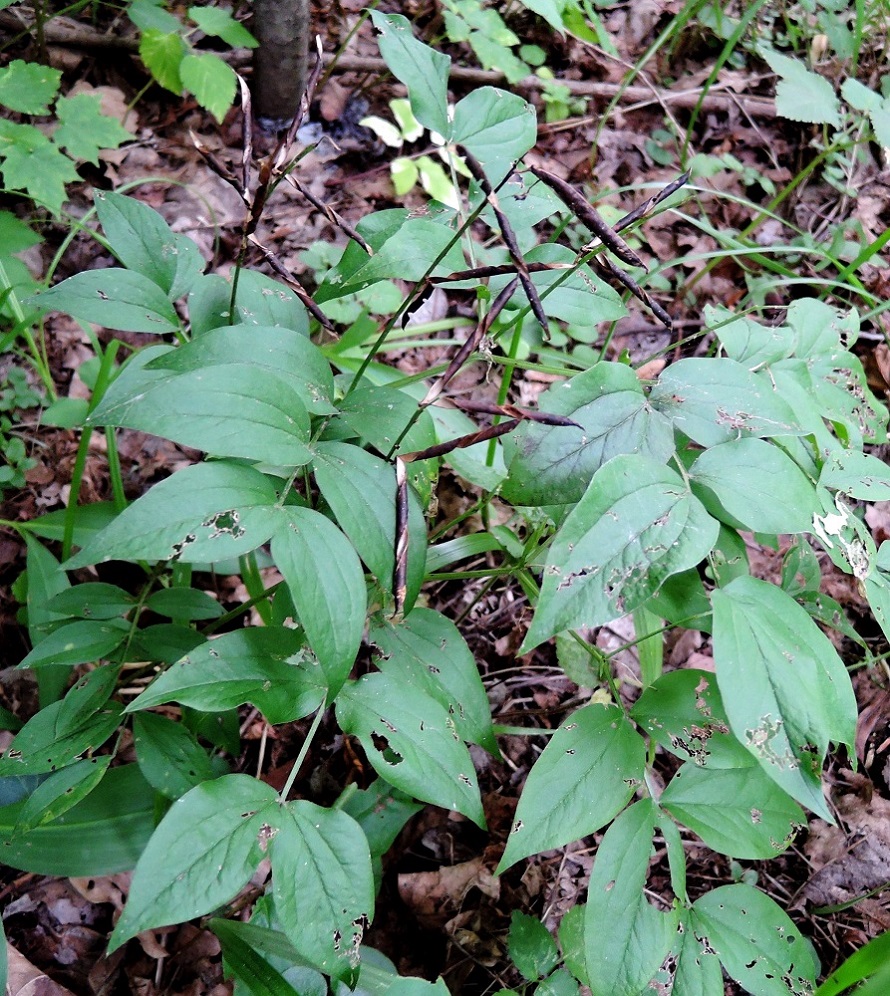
{"x": 304, "y": 750}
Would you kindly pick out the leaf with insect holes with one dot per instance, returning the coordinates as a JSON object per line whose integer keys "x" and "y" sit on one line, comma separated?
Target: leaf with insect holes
{"x": 625, "y": 937}
{"x": 144, "y": 242}
{"x": 204, "y": 850}
{"x": 203, "y": 514}
{"x": 427, "y": 650}
{"x": 265, "y": 666}
{"x": 411, "y": 741}
{"x": 550, "y": 465}
{"x": 28, "y": 87}
{"x": 78, "y": 643}
{"x": 801, "y": 94}
{"x": 323, "y": 886}
{"x": 779, "y": 963}
{"x": 116, "y": 298}
{"x": 636, "y": 525}
{"x": 859, "y": 475}
{"x": 786, "y": 692}
{"x": 587, "y": 773}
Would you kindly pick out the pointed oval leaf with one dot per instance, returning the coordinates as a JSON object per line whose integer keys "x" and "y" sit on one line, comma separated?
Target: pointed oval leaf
{"x": 327, "y": 585}
{"x": 263, "y": 301}
{"x": 115, "y": 298}
{"x": 636, "y": 525}
{"x": 587, "y": 773}
{"x": 497, "y": 127}
{"x": 262, "y": 666}
{"x": 169, "y": 755}
{"x": 531, "y": 947}
{"x": 735, "y": 811}
{"x": 860, "y": 475}
{"x": 625, "y": 938}
{"x": 760, "y": 487}
{"x": 203, "y": 514}
{"x": 78, "y": 643}
{"x": 204, "y": 850}
{"x": 715, "y": 399}
{"x": 323, "y": 886}
{"x": 411, "y": 741}
{"x": 212, "y": 81}
{"x": 552, "y": 465}
{"x": 61, "y": 791}
{"x": 183, "y": 603}
{"x": 698, "y": 971}
{"x": 427, "y": 650}
{"x": 780, "y": 963}
{"x": 93, "y": 600}
{"x": 786, "y": 692}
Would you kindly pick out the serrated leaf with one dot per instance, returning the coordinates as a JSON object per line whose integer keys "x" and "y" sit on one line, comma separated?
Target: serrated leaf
{"x": 715, "y": 399}
{"x": 61, "y": 791}
{"x": 151, "y": 15}
{"x": 779, "y": 963}
{"x": 169, "y": 756}
{"x": 143, "y": 242}
{"x": 261, "y": 665}
{"x": 162, "y": 51}
{"x": 636, "y": 525}
{"x": 552, "y": 465}
{"x": 204, "y": 850}
{"x": 327, "y": 585}
{"x": 497, "y": 127}
{"x": 588, "y": 771}
{"x": 212, "y": 81}
{"x": 735, "y": 811}
{"x": 323, "y": 886}
{"x": 78, "y": 643}
{"x": 428, "y": 651}
{"x": 30, "y": 162}
{"x": 285, "y": 351}
{"x": 234, "y": 410}
{"x": 118, "y": 299}
{"x": 84, "y": 130}
{"x": 625, "y": 938}
{"x": 801, "y": 94}
{"x": 786, "y": 692}
{"x": 203, "y": 514}
{"x": 360, "y": 488}
{"x": 411, "y": 741}
{"x": 423, "y": 70}
{"x": 752, "y": 484}
{"x": 28, "y": 87}
{"x": 103, "y": 834}
{"x": 220, "y": 23}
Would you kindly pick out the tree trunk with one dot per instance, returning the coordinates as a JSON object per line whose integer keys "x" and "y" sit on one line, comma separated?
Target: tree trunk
{"x": 279, "y": 66}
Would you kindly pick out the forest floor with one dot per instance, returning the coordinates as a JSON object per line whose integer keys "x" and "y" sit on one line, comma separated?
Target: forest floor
{"x": 441, "y": 910}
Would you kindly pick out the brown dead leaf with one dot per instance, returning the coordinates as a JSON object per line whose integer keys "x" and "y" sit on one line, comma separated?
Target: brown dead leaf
{"x": 435, "y": 896}
{"x": 24, "y": 979}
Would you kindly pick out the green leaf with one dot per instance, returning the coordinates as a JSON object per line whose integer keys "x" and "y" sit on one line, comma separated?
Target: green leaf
{"x": 531, "y": 947}
{"x": 780, "y": 962}
{"x": 284, "y": 351}
{"x": 870, "y": 958}
{"x": 360, "y": 489}
{"x": 802, "y": 95}
{"x": 423, "y": 70}
{"x": 427, "y": 651}
{"x": 61, "y": 791}
{"x": 411, "y": 741}
{"x": 698, "y": 971}
{"x": 786, "y": 692}
{"x": 162, "y": 51}
{"x": 103, "y": 834}
{"x": 263, "y": 301}
{"x": 714, "y": 400}
{"x": 246, "y": 964}
{"x": 497, "y": 127}
{"x": 169, "y": 756}
{"x": 636, "y": 525}
{"x": 150, "y": 15}
{"x": 735, "y": 811}
{"x": 212, "y": 81}
{"x": 752, "y": 484}
{"x": 28, "y": 87}
{"x": 262, "y": 666}
{"x": 323, "y": 886}
{"x": 184, "y": 604}
{"x": 84, "y": 130}
{"x": 144, "y": 242}
{"x": 78, "y": 643}
{"x": 588, "y": 771}
{"x": 115, "y": 298}
{"x": 859, "y": 475}
{"x": 46, "y": 580}
{"x": 204, "y": 850}
{"x": 236, "y": 410}
{"x": 30, "y": 162}
{"x": 327, "y": 585}
{"x": 203, "y": 514}
{"x": 220, "y": 23}
{"x": 625, "y": 939}
{"x": 552, "y": 465}
{"x": 92, "y": 600}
